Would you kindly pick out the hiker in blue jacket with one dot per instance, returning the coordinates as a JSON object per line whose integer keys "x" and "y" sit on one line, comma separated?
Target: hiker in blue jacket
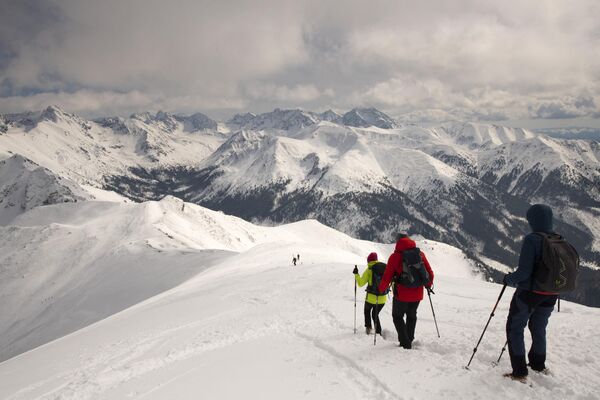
{"x": 529, "y": 306}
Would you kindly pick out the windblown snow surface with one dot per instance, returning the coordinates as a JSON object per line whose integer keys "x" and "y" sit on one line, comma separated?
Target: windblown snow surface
{"x": 181, "y": 302}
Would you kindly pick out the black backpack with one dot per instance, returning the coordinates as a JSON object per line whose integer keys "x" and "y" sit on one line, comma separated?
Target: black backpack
{"x": 556, "y": 270}
{"x": 377, "y": 271}
{"x": 414, "y": 273}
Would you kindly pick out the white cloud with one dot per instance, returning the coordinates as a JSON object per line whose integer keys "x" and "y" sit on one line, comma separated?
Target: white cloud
{"x": 476, "y": 58}
{"x": 87, "y": 102}
{"x": 565, "y": 107}
{"x": 284, "y": 93}
{"x": 80, "y": 101}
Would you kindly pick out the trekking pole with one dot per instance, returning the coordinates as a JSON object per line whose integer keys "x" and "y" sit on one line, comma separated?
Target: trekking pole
{"x": 559, "y": 303}
{"x": 501, "y": 353}
{"x": 375, "y": 322}
{"x": 486, "y": 326}
{"x": 429, "y": 291}
{"x": 355, "y": 304}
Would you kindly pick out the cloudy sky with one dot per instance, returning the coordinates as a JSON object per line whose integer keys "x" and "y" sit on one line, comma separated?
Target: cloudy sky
{"x": 420, "y": 61}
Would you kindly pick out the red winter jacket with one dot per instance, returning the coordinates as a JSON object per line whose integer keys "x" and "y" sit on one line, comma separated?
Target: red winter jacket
{"x": 394, "y": 268}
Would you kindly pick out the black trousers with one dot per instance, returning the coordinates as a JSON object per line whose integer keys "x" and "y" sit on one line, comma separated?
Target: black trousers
{"x": 372, "y": 310}
{"x": 532, "y": 310}
{"x": 405, "y": 329}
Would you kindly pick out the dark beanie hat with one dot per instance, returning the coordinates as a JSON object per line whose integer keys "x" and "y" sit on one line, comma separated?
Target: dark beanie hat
{"x": 540, "y": 218}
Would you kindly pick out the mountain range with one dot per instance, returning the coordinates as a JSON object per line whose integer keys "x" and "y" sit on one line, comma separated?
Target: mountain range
{"x": 466, "y": 184}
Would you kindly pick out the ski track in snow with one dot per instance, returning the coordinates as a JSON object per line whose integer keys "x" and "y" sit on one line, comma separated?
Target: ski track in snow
{"x": 358, "y": 362}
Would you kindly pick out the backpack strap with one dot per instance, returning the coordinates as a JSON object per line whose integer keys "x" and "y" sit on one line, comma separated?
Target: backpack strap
{"x": 538, "y": 258}
{"x": 545, "y": 235}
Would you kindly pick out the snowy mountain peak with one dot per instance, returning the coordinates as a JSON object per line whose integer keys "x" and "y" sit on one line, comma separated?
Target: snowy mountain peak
{"x": 170, "y": 122}
{"x": 25, "y": 185}
{"x": 117, "y": 124}
{"x": 30, "y": 119}
{"x": 366, "y": 117}
{"x": 238, "y": 146}
{"x": 163, "y": 116}
{"x": 196, "y": 122}
{"x": 53, "y": 113}
{"x": 241, "y": 119}
{"x": 166, "y": 121}
{"x": 142, "y": 116}
{"x": 278, "y": 119}
{"x": 479, "y": 134}
{"x": 331, "y": 116}
{"x": 18, "y": 162}
{"x": 56, "y": 115}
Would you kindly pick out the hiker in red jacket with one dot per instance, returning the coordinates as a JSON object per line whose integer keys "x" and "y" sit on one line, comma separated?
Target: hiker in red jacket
{"x": 408, "y": 286}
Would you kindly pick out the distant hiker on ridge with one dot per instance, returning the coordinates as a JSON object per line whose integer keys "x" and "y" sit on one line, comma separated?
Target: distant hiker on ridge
{"x": 534, "y": 299}
{"x": 375, "y": 299}
{"x": 409, "y": 269}
{"x": 294, "y": 261}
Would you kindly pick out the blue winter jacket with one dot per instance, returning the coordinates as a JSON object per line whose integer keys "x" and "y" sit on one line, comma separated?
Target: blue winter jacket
{"x": 539, "y": 217}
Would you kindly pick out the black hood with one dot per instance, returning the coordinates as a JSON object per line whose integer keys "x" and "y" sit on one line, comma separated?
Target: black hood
{"x": 539, "y": 217}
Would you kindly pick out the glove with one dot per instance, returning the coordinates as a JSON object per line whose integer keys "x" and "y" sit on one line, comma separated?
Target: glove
{"x": 355, "y": 270}
{"x": 429, "y": 289}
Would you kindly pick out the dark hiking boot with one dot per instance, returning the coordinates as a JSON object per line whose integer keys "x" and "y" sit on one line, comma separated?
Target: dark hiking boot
{"x": 368, "y": 330}
{"x": 544, "y": 371}
{"x": 522, "y": 379}
{"x": 537, "y": 361}
{"x": 519, "y": 365}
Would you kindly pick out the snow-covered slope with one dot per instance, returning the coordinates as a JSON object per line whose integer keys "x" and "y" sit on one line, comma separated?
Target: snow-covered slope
{"x": 524, "y": 166}
{"x": 87, "y": 151}
{"x": 25, "y": 185}
{"x": 325, "y": 156}
{"x": 476, "y": 134}
{"x": 251, "y": 325}
{"x": 65, "y": 266}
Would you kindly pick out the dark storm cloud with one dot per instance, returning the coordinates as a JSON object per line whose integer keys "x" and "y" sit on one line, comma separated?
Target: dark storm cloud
{"x": 429, "y": 60}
